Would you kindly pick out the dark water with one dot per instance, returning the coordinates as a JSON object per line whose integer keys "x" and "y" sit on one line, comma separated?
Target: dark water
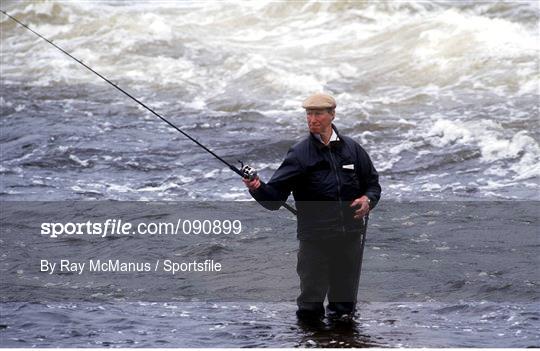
{"x": 435, "y": 274}
{"x": 443, "y": 96}
{"x": 266, "y": 325}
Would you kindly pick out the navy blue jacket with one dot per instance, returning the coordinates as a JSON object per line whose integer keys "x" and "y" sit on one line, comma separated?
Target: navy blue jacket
{"x": 324, "y": 181}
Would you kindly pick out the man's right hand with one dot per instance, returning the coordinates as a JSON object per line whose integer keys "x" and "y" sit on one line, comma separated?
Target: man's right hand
{"x": 253, "y": 184}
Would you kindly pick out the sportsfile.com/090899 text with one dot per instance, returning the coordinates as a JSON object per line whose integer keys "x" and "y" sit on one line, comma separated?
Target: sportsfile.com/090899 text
{"x": 119, "y": 227}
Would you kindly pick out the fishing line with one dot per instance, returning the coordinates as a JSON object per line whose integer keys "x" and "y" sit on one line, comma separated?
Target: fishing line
{"x": 245, "y": 172}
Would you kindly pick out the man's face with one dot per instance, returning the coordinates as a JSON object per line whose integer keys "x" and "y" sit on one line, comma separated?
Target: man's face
{"x": 319, "y": 121}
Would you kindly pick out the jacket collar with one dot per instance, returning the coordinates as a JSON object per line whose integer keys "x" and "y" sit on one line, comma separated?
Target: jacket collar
{"x": 319, "y": 143}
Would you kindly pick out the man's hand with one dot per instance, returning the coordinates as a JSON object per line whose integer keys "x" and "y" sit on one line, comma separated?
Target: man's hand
{"x": 363, "y": 207}
{"x": 253, "y": 184}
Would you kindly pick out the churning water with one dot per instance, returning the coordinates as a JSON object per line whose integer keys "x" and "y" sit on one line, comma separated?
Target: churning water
{"x": 442, "y": 95}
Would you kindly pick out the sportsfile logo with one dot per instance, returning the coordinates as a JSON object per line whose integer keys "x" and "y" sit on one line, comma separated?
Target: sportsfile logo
{"x": 110, "y": 226}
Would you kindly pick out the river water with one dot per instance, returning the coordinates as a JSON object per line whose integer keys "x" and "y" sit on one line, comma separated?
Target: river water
{"x": 442, "y": 95}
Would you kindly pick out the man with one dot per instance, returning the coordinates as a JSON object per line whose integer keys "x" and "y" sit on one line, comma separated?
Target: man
{"x": 334, "y": 185}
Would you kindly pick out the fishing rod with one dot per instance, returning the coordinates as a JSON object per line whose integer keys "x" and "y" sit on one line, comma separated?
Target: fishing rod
{"x": 245, "y": 171}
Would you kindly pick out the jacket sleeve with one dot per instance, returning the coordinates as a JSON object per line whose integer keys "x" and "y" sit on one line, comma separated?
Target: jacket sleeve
{"x": 272, "y": 195}
{"x": 371, "y": 176}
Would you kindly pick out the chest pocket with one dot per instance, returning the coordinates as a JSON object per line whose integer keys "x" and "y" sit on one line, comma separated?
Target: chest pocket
{"x": 350, "y": 181}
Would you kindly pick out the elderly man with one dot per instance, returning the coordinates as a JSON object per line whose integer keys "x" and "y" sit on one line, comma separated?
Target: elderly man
{"x": 334, "y": 185}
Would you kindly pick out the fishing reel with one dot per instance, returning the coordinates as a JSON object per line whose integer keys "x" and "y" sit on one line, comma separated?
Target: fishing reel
{"x": 248, "y": 172}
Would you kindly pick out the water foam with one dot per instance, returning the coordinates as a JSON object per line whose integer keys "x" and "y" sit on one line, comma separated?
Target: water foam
{"x": 406, "y": 68}
{"x": 304, "y": 50}
{"x": 520, "y": 149}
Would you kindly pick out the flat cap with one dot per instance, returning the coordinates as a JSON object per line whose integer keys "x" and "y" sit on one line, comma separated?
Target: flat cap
{"x": 319, "y": 101}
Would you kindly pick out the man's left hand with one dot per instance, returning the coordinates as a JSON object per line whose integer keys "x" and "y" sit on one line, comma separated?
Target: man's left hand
{"x": 363, "y": 207}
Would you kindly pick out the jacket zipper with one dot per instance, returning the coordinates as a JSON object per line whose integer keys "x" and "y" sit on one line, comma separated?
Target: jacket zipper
{"x": 334, "y": 166}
